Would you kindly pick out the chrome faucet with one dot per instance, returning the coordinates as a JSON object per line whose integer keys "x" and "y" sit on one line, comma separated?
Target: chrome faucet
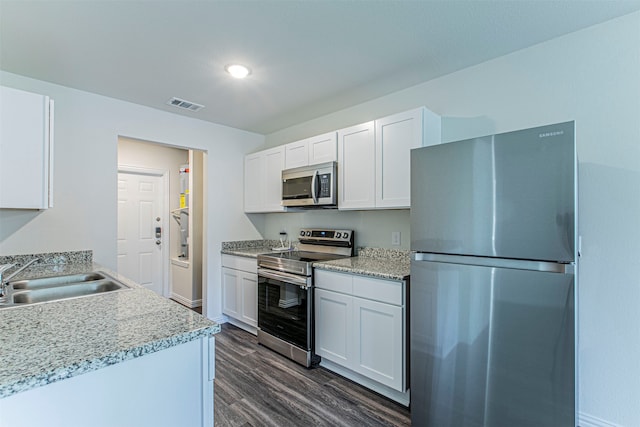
{"x": 5, "y": 280}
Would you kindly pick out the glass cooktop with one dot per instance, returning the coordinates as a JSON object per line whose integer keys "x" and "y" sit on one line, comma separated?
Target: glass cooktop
{"x": 303, "y": 256}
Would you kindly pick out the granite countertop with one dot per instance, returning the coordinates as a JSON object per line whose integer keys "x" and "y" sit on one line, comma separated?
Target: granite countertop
{"x": 47, "y": 342}
{"x": 390, "y": 264}
{"x": 249, "y": 248}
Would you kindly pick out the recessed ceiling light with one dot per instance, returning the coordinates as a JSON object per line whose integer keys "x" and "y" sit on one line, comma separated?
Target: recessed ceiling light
{"x": 238, "y": 71}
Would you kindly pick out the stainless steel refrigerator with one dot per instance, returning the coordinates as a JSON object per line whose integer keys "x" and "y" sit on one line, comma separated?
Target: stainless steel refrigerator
{"x": 492, "y": 293}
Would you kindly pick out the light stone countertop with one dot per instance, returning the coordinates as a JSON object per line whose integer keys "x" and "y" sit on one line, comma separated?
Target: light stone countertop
{"x": 47, "y": 342}
{"x": 251, "y": 248}
{"x": 390, "y": 264}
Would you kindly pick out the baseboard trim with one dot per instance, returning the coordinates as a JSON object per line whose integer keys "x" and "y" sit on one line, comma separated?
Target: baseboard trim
{"x": 587, "y": 420}
{"x": 388, "y": 392}
{"x": 185, "y": 301}
{"x": 235, "y": 322}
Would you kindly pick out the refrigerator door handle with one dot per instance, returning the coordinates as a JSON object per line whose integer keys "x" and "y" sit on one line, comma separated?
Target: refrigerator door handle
{"x": 548, "y": 266}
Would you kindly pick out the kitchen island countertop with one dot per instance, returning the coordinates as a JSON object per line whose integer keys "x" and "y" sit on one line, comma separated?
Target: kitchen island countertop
{"x": 47, "y": 342}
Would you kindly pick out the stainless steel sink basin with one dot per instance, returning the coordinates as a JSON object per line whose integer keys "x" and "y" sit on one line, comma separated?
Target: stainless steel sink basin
{"x": 62, "y": 292}
{"x": 46, "y": 282}
{"x": 56, "y": 288}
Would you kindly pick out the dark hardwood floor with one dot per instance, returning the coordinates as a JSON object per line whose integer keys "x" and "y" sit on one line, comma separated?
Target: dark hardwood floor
{"x": 257, "y": 387}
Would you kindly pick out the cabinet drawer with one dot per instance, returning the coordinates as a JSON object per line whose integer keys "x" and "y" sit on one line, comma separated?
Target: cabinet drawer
{"x": 337, "y": 282}
{"x": 387, "y": 291}
{"x": 250, "y": 265}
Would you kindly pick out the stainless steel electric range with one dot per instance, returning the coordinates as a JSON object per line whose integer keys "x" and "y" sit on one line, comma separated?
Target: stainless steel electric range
{"x": 285, "y": 292}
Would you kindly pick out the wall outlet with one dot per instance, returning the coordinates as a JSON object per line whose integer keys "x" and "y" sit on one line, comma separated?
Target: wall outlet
{"x": 395, "y": 238}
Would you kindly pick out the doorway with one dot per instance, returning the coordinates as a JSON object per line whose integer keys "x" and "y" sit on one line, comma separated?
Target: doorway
{"x": 182, "y": 216}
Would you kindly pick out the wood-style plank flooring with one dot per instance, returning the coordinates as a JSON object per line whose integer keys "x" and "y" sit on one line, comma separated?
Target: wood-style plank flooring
{"x": 256, "y": 387}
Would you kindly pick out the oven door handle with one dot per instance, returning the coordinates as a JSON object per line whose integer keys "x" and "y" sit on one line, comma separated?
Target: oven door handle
{"x": 284, "y": 277}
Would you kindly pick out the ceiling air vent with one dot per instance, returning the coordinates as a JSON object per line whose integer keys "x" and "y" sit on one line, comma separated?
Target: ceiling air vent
{"x": 187, "y": 105}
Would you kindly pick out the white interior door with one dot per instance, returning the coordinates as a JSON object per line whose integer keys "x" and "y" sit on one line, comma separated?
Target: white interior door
{"x": 140, "y": 203}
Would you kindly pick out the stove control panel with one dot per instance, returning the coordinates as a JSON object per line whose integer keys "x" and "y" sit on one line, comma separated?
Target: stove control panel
{"x": 327, "y": 236}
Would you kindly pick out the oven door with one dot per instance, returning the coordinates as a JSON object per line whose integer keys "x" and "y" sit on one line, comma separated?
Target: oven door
{"x": 285, "y": 304}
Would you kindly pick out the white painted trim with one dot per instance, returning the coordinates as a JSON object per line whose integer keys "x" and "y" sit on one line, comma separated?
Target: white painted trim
{"x": 220, "y": 319}
{"x": 185, "y": 301}
{"x": 164, "y": 222}
{"x": 395, "y": 395}
{"x": 141, "y": 171}
{"x": 235, "y": 322}
{"x": 587, "y": 420}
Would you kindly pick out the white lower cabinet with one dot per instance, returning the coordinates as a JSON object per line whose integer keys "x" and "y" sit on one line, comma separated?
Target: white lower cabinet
{"x": 334, "y": 333}
{"x": 240, "y": 291}
{"x": 379, "y": 347}
{"x": 360, "y": 330}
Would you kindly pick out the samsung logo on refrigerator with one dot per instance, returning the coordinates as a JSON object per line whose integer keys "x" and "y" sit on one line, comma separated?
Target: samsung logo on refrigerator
{"x": 548, "y": 134}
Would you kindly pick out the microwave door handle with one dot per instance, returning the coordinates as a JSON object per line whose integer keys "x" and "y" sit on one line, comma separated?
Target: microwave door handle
{"x": 314, "y": 182}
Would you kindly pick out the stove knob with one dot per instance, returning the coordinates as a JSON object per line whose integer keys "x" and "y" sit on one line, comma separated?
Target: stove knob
{"x": 302, "y": 232}
{"x": 345, "y": 235}
{"x": 338, "y": 234}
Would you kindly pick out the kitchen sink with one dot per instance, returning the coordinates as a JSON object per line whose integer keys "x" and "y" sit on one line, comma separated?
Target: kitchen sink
{"x": 46, "y": 282}
{"x": 65, "y": 291}
{"x": 45, "y": 289}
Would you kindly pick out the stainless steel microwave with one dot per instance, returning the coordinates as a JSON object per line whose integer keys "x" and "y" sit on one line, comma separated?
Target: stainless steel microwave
{"x": 310, "y": 186}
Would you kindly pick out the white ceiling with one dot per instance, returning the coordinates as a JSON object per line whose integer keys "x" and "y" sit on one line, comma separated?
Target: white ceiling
{"x": 309, "y": 58}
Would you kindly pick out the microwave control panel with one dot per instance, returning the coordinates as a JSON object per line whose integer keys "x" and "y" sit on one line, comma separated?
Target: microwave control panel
{"x": 325, "y": 185}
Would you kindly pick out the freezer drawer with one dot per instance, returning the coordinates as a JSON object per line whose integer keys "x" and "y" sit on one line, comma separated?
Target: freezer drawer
{"x": 491, "y": 346}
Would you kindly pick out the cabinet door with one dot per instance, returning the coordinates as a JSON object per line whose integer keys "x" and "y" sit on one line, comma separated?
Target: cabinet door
{"x": 323, "y": 148}
{"x": 395, "y": 137}
{"x": 25, "y": 144}
{"x": 263, "y": 180}
{"x": 379, "y": 342}
{"x": 272, "y": 179}
{"x": 356, "y": 168}
{"x": 249, "y": 289}
{"x": 253, "y": 173}
{"x": 334, "y": 329}
{"x": 296, "y": 154}
{"x": 231, "y": 302}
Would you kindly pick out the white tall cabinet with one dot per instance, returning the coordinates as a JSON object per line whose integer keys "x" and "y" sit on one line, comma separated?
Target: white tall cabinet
{"x": 240, "y": 291}
{"x": 360, "y": 330}
{"x": 26, "y": 150}
{"x": 375, "y": 159}
{"x": 263, "y": 180}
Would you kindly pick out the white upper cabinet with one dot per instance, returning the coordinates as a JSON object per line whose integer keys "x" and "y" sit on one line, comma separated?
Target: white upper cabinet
{"x": 311, "y": 151}
{"x": 263, "y": 180}
{"x": 26, "y": 150}
{"x": 356, "y": 167}
{"x": 376, "y": 168}
{"x": 296, "y": 154}
{"x": 323, "y": 148}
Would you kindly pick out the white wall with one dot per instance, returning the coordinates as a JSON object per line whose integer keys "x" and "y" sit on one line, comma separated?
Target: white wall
{"x": 593, "y": 77}
{"x": 372, "y": 228}
{"x": 87, "y": 127}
